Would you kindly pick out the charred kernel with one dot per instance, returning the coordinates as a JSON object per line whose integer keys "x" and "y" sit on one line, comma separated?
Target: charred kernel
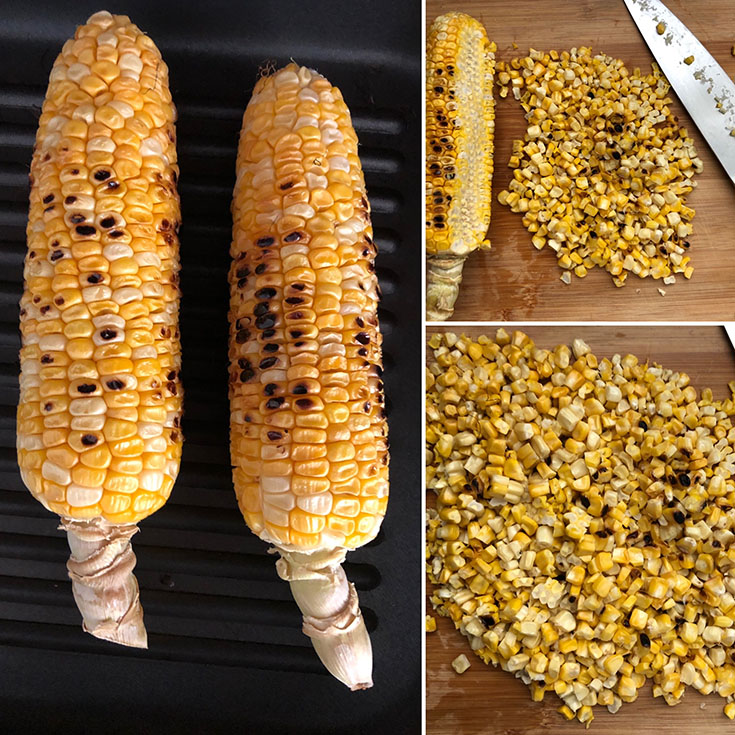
{"x": 679, "y": 517}
{"x": 108, "y": 334}
{"x": 44, "y": 309}
{"x": 59, "y": 301}
{"x": 89, "y": 440}
{"x": 172, "y": 388}
{"x": 260, "y": 268}
{"x": 70, "y": 199}
{"x": 267, "y": 363}
{"x": 643, "y": 425}
{"x": 298, "y": 286}
{"x": 243, "y": 272}
{"x": 296, "y": 333}
{"x": 360, "y": 322}
{"x": 48, "y": 199}
{"x": 285, "y": 186}
{"x": 102, "y": 175}
{"x": 94, "y": 278}
{"x": 112, "y": 184}
{"x": 115, "y": 384}
{"x": 274, "y": 436}
{"x": 274, "y": 402}
{"x": 268, "y": 333}
{"x": 366, "y": 406}
{"x": 75, "y": 219}
{"x": 171, "y": 375}
{"x": 246, "y": 374}
{"x": 685, "y": 480}
{"x": 242, "y": 282}
{"x": 174, "y": 436}
{"x": 107, "y": 222}
{"x": 243, "y": 363}
{"x": 115, "y": 233}
{"x": 362, "y": 352}
{"x": 300, "y": 390}
{"x": 362, "y": 338}
{"x": 85, "y": 230}
{"x": 266, "y": 321}
{"x": 56, "y": 255}
{"x": 292, "y": 237}
{"x": 265, "y": 242}
{"x": 645, "y": 640}
{"x": 293, "y": 300}
{"x": 46, "y": 359}
{"x": 304, "y": 402}
{"x": 265, "y": 293}
{"x": 48, "y": 406}
{"x": 270, "y": 347}
{"x": 269, "y": 389}
{"x": 242, "y": 336}
{"x": 87, "y": 388}
{"x": 261, "y": 309}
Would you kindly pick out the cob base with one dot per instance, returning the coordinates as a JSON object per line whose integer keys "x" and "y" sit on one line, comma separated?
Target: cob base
{"x": 443, "y": 276}
{"x": 331, "y": 610}
{"x": 105, "y": 590}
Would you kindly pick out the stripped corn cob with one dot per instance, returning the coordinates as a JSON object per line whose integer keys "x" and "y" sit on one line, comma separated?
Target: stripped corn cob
{"x": 308, "y": 432}
{"x": 460, "y": 123}
{"x": 100, "y": 400}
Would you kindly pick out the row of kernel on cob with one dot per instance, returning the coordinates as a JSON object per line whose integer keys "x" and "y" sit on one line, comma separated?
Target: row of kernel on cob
{"x": 98, "y": 425}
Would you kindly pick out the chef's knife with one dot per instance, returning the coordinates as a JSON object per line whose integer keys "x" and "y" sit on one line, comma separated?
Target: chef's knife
{"x": 702, "y": 85}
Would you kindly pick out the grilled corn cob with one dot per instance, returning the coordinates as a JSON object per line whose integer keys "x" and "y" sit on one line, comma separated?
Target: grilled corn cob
{"x": 460, "y": 124}
{"x": 98, "y": 433}
{"x": 308, "y": 430}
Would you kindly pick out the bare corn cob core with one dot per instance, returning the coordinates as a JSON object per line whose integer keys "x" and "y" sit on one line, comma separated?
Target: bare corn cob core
{"x": 100, "y": 399}
{"x": 460, "y": 124}
{"x": 308, "y": 430}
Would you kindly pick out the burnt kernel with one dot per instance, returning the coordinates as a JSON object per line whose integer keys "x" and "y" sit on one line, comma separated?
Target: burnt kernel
{"x": 295, "y": 315}
{"x": 112, "y": 184}
{"x": 108, "y": 334}
{"x": 85, "y": 230}
{"x": 272, "y": 403}
{"x": 171, "y": 387}
{"x": 243, "y": 363}
{"x": 269, "y": 389}
{"x": 89, "y": 440}
{"x": 304, "y": 402}
{"x": 270, "y": 347}
{"x": 107, "y": 222}
{"x": 267, "y": 363}
{"x": 242, "y": 336}
{"x": 292, "y": 237}
{"x": 274, "y": 436}
{"x": 174, "y": 436}
{"x": 48, "y": 406}
{"x": 260, "y": 268}
{"x": 48, "y": 199}
{"x": 75, "y": 219}
{"x": 264, "y": 242}
{"x": 266, "y": 321}
{"x": 293, "y": 300}
{"x": 285, "y": 186}
{"x": 585, "y": 501}
{"x": 46, "y": 359}
{"x": 59, "y": 301}
{"x": 360, "y": 322}
{"x": 679, "y": 517}
{"x": 115, "y": 233}
{"x": 243, "y": 272}
{"x": 56, "y": 255}
{"x": 246, "y": 374}
{"x": 643, "y": 425}
{"x": 102, "y": 175}
{"x": 115, "y": 384}
{"x": 366, "y": 406}
{"x": 296, "y": 333}
{"x": 94, "y": 278}
{"x": 45, "y": 309}
{"x": 261, "y": 309}
{"x": 362, "y": 352}
{"x": 362, "y": 338}
{"x": 87, "y": 388}
{"x": 299, "y": 344}
{"x": 171, "y": 375}
{"x": 265, "y": 293}
{"x": 298, "y": 286}
{"x": 74, "y": 171}
{"x": 685, "y": 480}
{"x": 300, "y": 390}
{"x": 268, "y": 333}
{"x": 241, "y": 283}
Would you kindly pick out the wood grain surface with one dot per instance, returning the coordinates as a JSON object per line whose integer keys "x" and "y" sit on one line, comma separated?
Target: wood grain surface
{"x": 488, "y": 701}
{"x": 514, "y": 281}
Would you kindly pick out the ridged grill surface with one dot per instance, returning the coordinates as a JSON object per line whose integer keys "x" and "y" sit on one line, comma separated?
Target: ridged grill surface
{"x": 224, "y": 635}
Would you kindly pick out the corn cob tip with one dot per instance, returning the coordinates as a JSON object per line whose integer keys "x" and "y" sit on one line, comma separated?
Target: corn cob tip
{"x": 105, "y": 590}
{"x": 443, "y": 276}
{"x": 332, "y": 616}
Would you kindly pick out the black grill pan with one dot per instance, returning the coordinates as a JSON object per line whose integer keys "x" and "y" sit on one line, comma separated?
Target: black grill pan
{"x": 226, "y": 652}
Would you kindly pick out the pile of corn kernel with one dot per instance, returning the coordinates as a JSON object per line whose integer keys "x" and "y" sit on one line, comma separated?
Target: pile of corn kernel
{"x": 583, "y": 531}
{"x": 604, "y": 169}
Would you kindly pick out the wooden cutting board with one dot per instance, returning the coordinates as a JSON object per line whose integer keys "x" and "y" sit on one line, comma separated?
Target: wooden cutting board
{"x": 488, "y": 701}
{"x": 514, "y": 281}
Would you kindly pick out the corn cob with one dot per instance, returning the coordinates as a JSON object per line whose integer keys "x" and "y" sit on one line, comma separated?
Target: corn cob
{"x": 98, "y": 433}
{"x": 460, "y": 123}
{"x": 308, "y": 430}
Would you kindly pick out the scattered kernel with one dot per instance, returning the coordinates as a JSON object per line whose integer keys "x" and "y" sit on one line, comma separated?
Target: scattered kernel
{"x": 461, "y": 664}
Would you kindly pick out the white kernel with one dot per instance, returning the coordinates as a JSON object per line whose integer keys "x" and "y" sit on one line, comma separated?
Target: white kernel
{"x": 54, "y": 473}
{"x": 319, "y": 504}
{"x": 77, "y": 72}
{"x": 79, "y": 496}
{"x": 87, "y": 406}
{"x": 151, "y": 480}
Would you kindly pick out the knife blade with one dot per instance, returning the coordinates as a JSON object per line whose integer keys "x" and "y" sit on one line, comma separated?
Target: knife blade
{"x": 702, "y": 86}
